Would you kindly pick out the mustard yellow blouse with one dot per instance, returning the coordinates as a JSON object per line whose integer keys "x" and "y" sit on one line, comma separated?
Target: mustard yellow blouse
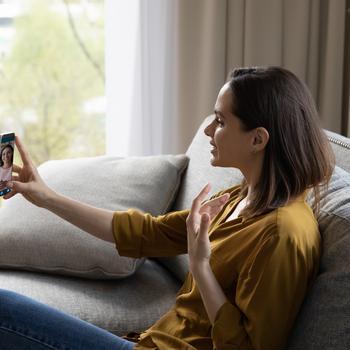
{"x": 264, "y": 265}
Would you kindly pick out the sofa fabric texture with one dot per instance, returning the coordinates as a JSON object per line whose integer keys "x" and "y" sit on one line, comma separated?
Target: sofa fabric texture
{"x": 324, "y": 319}
{"x": 32, "y": 238}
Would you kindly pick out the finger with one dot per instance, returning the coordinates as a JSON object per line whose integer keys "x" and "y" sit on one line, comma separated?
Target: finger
{"x": 17, "y": 186}
{"x": 204, "y": 227}
{"x": 23, "y": 152}
{"x": 10, "y": 194}
{"x": 218, "y": 201}
{"x": 200, "y": 197}
{"x": 15, "y": 178}
{"x": 9, "y": 184}
{"x": 191, "y": 236}
{"x": 16, "y": 168}
{"x": 191, "y": 225}
{"x": 213, "y": 206}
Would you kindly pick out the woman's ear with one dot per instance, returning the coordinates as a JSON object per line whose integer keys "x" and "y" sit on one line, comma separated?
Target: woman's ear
{"x": 260, "y": 138}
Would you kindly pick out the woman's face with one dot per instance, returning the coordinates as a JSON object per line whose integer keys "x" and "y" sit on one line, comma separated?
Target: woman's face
{"x": 231, "y": 144}
{"x": 6, "y": 155}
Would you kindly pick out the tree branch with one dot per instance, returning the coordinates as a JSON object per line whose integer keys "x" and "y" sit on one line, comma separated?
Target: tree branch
{"x": 81, "y": 44}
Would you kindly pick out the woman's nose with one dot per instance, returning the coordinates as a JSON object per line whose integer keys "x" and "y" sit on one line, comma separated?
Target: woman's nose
{"x": 209, "y": 130}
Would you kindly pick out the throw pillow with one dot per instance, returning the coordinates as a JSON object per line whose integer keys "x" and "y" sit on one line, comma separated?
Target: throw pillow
{"x": 32, "y": 238}
{"x": 324, "y": 319}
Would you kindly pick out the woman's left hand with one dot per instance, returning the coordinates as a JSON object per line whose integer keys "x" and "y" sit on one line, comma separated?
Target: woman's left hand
{"x": 198, "y": 222}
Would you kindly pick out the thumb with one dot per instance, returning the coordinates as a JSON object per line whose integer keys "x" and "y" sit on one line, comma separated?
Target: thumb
{"x": 17, "y": 186}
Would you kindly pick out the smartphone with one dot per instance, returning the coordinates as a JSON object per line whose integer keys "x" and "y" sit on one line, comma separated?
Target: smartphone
{"x": 7, "y": 148}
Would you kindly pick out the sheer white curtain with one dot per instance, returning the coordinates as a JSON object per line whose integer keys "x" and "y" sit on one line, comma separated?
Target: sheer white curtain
{"x": 121, "y": 18}
{"x": 153, "y": 111}
{"x": 141, "y": 77}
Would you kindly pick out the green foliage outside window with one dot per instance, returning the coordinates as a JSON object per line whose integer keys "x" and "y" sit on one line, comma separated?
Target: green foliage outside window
{"x": 53, "y": 72}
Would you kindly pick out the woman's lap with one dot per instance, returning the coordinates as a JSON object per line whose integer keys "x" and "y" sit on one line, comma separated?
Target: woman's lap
{"x": 30, "y": 325}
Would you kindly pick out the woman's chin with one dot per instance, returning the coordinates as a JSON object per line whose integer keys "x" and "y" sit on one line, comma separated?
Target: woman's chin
{"x": 214, "y": 161}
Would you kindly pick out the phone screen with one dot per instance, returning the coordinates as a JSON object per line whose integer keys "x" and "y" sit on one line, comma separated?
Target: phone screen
{"x": 7, "y": 147}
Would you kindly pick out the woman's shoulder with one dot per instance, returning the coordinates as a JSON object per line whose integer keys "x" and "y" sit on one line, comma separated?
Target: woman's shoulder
{"x": 294, "y": 222}
{"x": 297, "y": 211}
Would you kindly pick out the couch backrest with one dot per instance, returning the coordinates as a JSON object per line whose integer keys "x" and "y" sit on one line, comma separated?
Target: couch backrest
{"x": 341, "y": 148}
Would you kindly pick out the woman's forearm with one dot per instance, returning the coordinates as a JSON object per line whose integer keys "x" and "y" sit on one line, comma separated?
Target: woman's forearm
{"x": 95, "y": 221}
{"x": 212, "y": 294}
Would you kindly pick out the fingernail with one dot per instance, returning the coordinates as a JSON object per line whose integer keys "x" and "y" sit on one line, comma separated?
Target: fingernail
{"x": 9, "y": 184}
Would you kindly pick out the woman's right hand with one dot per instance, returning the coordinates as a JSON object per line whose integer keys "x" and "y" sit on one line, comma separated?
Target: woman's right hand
{"x": 28, "y": 181}
{"x": 96, "y": 221}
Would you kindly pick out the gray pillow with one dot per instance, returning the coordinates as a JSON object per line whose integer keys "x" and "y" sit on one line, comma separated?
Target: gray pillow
{"x": 324, "y": 319}
{"x": 32, "y": 238}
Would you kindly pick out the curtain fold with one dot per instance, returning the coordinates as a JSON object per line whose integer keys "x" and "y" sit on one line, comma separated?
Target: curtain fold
{"x": 305, "y": 36}
{"x": 331, "y": 69}
{"x": 186, "y": 48}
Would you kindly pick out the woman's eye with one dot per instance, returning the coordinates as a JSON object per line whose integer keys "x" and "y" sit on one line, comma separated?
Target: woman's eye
{"x": 219, "y": 121}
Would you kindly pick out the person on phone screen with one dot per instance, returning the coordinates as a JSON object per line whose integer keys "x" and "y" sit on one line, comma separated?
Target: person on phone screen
{"x": 253, "y": 249}
{"x": 6, "y": 160}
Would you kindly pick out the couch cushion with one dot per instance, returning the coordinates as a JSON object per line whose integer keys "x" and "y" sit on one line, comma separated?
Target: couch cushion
{"x": 324, "y": 319}
{"x": 119, "y": 306}
{"x": 32, "y": 238}
{"x": 177, "y": 265}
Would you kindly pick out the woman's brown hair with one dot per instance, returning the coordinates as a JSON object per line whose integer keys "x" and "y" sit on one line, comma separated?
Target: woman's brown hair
{"x": 298, "y": 155}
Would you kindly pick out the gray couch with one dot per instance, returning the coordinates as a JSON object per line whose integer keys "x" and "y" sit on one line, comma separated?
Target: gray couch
{"x": 135, "y": 302}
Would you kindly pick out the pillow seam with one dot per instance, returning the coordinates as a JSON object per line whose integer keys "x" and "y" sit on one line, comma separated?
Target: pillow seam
{"x": 334, "y": 214}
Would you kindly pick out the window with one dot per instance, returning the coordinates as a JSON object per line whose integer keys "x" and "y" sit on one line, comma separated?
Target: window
{"x": 52, "y": 85}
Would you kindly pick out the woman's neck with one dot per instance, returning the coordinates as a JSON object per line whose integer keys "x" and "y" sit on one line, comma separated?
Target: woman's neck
{"x": 6, "y": 165}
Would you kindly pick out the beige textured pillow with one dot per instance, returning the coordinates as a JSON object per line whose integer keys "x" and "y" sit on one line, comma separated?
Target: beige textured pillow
{"x": 32, "y": 238}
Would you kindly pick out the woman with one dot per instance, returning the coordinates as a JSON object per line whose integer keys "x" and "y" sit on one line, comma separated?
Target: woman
{"x": 253, "y": 249}
{"x": 6, "y": 161}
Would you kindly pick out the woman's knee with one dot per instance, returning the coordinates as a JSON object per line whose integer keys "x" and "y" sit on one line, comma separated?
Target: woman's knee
{"x": 13, "y": 304}
{"x": 8, "y": 298}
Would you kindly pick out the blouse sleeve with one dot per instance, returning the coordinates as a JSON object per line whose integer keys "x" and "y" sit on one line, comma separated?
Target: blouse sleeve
{"x": 137, "y": 234}
{"x": 268, "y": 297}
